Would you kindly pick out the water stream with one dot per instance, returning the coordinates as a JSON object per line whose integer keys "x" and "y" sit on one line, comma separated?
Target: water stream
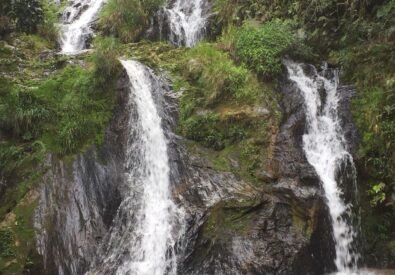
{"x": 147, "y": 227}
{"x": 187, "y": 20}
{"x": 325, "y": 148}
{"x": 76, "y": 27}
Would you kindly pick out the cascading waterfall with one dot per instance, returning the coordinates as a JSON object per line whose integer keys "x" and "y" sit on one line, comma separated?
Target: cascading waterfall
{"x": 325, "y": 148}
{"x": 148, "y": 224}
{"x": 76, "y": 28}
{"x": 187, "y": 21}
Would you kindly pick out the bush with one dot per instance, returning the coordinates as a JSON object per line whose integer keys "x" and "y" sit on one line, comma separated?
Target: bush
{"x": 261, "y": 48}
{"x": 127, "y": 19}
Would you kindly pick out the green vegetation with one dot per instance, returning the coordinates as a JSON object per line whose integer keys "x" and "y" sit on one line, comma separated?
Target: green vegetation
{"x": 6, "y": 243}
{"x": 355, "y": 35}
{"x": 225, "y": 107}
{"x": 48, "y": 104}
{"x": 28, "y": 16}
{"x": 127, "y": 19}
{"x": 263, "y": 47}
{"x": 216, "y": 85}
{"x": 228, "y": 105}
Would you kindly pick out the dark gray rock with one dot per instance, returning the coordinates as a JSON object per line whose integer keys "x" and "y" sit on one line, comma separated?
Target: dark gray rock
{"x": 79, "y": 199}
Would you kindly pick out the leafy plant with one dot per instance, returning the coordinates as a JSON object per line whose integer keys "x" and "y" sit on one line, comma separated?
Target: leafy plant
{"x": 377, "y": 194}
{"x": 28, "y": 14}
{"x": 261, "y": 48}
{"x": 6, "y": 243}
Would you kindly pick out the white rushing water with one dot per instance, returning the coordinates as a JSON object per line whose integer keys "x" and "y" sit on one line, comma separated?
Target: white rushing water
{"x": 146, "y": 230}
{"x": 325, "y": 148}
{"x": 76, "y": 27}
{"x": 186, "y": 21}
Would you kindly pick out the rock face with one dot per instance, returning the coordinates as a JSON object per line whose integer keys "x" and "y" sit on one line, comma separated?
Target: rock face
{"x": 79, "y": 199}
{"x": 232, "y": 227}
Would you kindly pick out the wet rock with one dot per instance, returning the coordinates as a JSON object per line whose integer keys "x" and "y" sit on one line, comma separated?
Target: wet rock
{"x": 289, "y": 156}
{"x": 351, "y": 133}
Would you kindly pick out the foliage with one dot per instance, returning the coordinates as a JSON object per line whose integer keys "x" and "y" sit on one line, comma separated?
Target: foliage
{"x": 6, "y": 23}
{"x": 377, "y": 194}
{"x": 47, "y": 28}
{"x": 214, "y": 80}
{"x": 106, "y": 59}
{"x": 81, "y": 110}
{"x": 204, "y": 129}
{"x": 216, "y": 77}
{"x": 66, "y": 112}
{"x": 27, "y": 15}
{"x": 127, "y": 19}
{"x": 261, "y": 48}
{"x": 22, "y": 114}
{"x": 6, "y": 243}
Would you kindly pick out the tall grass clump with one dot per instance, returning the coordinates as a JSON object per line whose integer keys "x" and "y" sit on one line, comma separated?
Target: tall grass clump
{"x": 216, "y": 76}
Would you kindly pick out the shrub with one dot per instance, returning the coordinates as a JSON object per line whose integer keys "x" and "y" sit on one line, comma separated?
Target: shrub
{"x": 28, "y": 14}
{"x": 261, "y": 48}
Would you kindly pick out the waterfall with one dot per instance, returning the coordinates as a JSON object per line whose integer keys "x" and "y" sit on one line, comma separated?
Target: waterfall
{"x": 187, "y": 20}
{"x": 76, "y": 27}
{"x": 326, "y": 150}
{"x": 145, "y": 231}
